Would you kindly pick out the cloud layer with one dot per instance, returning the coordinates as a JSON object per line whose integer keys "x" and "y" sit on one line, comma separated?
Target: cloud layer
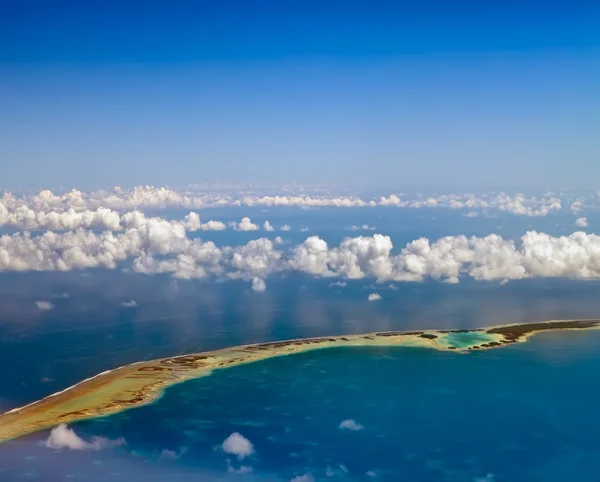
{"x": 160, "y": 246}
{"x": 73, "y": 209}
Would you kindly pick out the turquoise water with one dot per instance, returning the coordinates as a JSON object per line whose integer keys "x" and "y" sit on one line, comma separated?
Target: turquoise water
{"x": 520, "y": 413}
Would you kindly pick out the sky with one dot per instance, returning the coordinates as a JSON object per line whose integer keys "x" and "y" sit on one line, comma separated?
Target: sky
{"x": 375, "y": 94}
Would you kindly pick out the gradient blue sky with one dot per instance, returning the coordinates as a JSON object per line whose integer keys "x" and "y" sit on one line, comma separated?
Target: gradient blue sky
{"x": 447, "y": 94}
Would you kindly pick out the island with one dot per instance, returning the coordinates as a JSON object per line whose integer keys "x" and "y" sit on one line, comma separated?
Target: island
{"x": 142, "y": 383}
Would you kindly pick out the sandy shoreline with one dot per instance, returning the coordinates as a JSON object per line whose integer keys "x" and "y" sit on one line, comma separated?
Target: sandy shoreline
{"x": 142, "y": 383}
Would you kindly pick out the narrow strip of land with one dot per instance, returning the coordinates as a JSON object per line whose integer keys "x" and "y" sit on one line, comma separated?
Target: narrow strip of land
{"x": 143, "y": 382}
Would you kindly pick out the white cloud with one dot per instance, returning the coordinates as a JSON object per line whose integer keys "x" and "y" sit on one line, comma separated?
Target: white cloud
{"x": 286, "y": 227}
{"x": 339, "y": 284}
{"x": 303, "y": 229}
{"x": 576, "y": 206}
{"x": 160, "y": 246}
{"x": 245, "y": 225}
{"x": 268, "y": 227}
{"x": 44, "y": 305}
{"x": 303, "y": 478}
{"x": 99, "y": 210}
{"x": 63, "y": 437}
{"x": 129, "y": 304}
{"x": 581, "y": 222}
{"x": 258, "y": 284}
{"x": 350, "y": 424}
{"x": 371, "y": 474}
{"x": 374, "y": 297}
{"x": 238, "y": 445}
{"x": 364, "y": 227}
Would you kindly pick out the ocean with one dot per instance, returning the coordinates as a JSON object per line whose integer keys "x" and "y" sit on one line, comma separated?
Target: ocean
{"x": 519, "y": 413}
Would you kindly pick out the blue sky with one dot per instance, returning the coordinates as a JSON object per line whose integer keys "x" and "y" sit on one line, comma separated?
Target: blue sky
{"x": 382, "y": 95}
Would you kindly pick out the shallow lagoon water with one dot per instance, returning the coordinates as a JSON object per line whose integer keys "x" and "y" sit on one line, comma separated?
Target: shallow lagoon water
{"x": 519, "y": 413}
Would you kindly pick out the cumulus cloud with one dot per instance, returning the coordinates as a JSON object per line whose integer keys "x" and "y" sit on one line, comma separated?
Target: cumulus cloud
{"x": 44, "y": 305}
{"x": 238, "y": 445}
{"x": 286, "y": 227}
{"x": 371, "y": 474}
{"x": 258, "y": 284}
{"x": 99, "y": 210}
{"x": 350, "y": 424}
{"x": 129, "y": 304}
{"x": 364, "y": 227}
{"x": 581, "y": 222}
{"x": 160, "y": 246}
{"x": 339, "y": 284}
{"x": 63, "y": 437}
{"x": 374, "y": 297}
{"x": 268, "y": 227}
{"x": 245, "y": 225}
{"x": 576, "y": 206}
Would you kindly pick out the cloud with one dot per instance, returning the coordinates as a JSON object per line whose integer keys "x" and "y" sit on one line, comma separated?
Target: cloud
{"x": 487, "y": 478}
{"x": 339, "y": 284}
{"x": 238, "y": 445}
{"x": 245, "y": 225}
{"x": 63, "y": 437}
{"x": 62, "y": 296}
{"x": 286, "y": 227}
{"x": 339, "y": 471}
{"x": 167, "y": 454}
{"x": 351, "y": 425}
{"x": 581, "y": 222}
{"x": 258, "y": 285}
{"x": 243, "y": 469}
{"x": 303, "y": 229}
{"x": 374, "y": 297}
{"x": 44, "y": 305}
{"x": 308, "y": 477}
{"x": 371, "y": 474}
{"x": 364, "y": 227}
{"x": 100, "y": 209}
{"x": 576, "y": 206}
{"x": 159, "y": 246}
{"x": 129, "y": 304}
{"x": 267, "y": 226}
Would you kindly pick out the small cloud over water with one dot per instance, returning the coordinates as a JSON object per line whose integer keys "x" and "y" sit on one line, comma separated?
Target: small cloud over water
{"x": 44, "y": 305}
{"x": 238, "y": 445}
{"x": 351, "y": 424}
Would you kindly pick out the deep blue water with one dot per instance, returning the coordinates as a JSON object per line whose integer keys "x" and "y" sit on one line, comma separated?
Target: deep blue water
{"x": 520, "y": 413}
